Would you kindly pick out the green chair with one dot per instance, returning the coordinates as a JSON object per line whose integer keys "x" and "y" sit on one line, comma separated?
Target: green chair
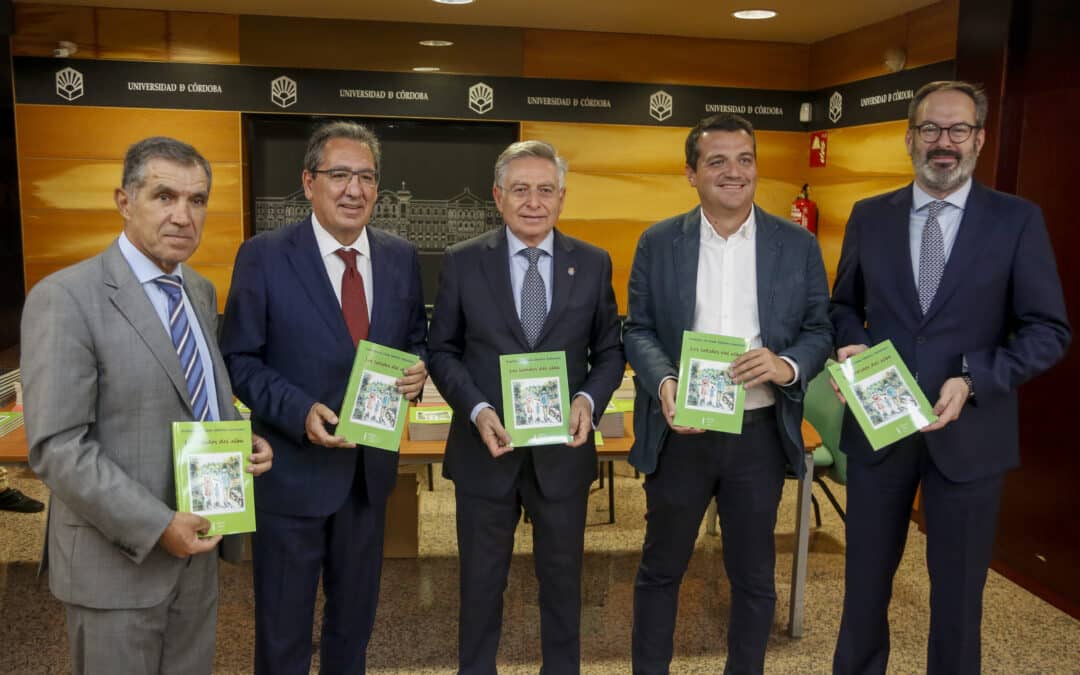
{"x": 825, "y": 413}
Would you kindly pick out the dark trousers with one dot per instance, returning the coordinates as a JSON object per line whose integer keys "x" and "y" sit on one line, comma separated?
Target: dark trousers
{"x": 745, "y": 474}
{"x": 961, "y": 519}
{"x": 485, "y": 530}
{"x": 289, "y": 553}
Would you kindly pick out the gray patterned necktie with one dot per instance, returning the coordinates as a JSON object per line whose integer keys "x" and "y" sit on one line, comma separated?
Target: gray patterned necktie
{"x": 931, "y": 256}
{"x": 186, "y": 349}
{"x": 533, "y": 297}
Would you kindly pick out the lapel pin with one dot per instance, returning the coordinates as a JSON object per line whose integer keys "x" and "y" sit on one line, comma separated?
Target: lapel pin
{"x": 570, "y": 271}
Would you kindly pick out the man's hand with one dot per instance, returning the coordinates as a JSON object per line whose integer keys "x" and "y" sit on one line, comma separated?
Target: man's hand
{"x": 759, "y": 366}
{"x": 315, "y": 426}
{"x": 181, "y": 537}
{"x": 843, "y": 354}
{"x": 580, "y": 421}
{"x": 954, "y": 394}
{"x": 492, "y": 433}
{"x": 412, "y": 382}
{"x": 667, "y": 404}
{"x": 262, "y": 456}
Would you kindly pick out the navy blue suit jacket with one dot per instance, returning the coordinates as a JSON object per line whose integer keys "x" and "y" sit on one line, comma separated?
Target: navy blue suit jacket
{"x": 793, "y": 296}
{"x": 999, "y": 304}
{"x": 286, "y": 345}
{"x": 476, "y": 320}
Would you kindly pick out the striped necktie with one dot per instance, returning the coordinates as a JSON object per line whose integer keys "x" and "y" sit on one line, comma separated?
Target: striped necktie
{"x": 186, "y": 349}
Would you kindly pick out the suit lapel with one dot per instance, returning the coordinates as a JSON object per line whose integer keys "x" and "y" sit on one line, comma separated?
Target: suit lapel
{"x": 896, "y": 251}
{"x": 970, "y": 241}
{"x": 304, "y": 257}
{"x": 496, "y": 267}
{"x": 684, "y": 249}
{"x": 384, "y": 279}
{"x": 564, "y": 270}
{"x": 767, "y": 249}
{"x": 129, "y": 298}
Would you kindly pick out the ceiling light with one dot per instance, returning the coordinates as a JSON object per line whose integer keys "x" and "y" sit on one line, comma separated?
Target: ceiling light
{"x": 426, "y": 69}
{"x": 753, "y": 14}
{"x": 436, "y": 43}
{"x": 454, "y": 2}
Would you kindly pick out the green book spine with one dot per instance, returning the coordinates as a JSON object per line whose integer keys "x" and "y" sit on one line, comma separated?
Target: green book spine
{"x": 209, "y": 462}
{"x": 882, "y": 395}
{"x": 536, "y": 400}
{"x": 373, "y": 412}
{"x": 706, "y": 397}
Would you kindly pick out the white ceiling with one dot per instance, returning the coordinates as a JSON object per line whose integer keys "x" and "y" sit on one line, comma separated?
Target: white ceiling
{"x": 799, "y": 21}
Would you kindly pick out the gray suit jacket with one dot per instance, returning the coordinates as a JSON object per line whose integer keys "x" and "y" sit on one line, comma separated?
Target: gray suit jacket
{"x": 102, "y": 385}
{"x": 793, "y": 299}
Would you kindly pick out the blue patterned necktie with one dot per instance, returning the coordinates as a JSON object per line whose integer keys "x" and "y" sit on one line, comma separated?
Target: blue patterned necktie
{"x": 533, "y": 297}
{"x": 931, "y": 256}
{"x": 186, "y": 349}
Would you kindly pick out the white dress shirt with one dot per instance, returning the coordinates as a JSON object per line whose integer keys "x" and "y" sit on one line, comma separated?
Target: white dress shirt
{"x": 335, "y": 266}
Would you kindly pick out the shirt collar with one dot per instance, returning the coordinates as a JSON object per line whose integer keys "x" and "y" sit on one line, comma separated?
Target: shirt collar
{"x": 144, "y": 268}
{"x": 327, "y": 243}
{"x": 745, "y": 231}
{"x": 957, "y": 198}
{"x": 515, "y": 245}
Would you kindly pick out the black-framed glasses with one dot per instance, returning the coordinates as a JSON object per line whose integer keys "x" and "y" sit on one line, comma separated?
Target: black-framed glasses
{"x": 341, "y": 177}
{"x": 958, "y": 133}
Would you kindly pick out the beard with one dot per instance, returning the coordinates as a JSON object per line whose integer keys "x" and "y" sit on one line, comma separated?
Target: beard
{"x": 944, "y": 180}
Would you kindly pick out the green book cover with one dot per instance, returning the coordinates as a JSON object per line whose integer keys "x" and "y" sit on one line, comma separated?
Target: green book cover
{"x": 883, "y": 396}
{"x": 536, "y": 403}
{"x": 209, "y": 461}
{"x": 434, "y": 414}
{"x": 373, "y": 412}
{"x": 706, "y": 397}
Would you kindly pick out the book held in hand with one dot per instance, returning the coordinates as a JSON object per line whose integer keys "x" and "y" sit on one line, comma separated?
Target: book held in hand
{"x": 707, "y": 398}
{"x": 374, "y": 412}
{"x": 882, "y": 395}
{"x": 536, "y": 403}
{"x": 209, "y": 461}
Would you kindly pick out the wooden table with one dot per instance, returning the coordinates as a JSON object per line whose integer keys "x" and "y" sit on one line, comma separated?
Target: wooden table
{"x": 13, "y": 445}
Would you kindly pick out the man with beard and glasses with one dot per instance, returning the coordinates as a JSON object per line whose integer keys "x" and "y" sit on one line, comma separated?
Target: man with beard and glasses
{"x": 962, "y": 279}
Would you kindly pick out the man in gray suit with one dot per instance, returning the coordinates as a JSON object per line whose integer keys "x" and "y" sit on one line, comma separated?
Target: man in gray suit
{"x": 727, "y": 268}
{"x": 101, "y": 367}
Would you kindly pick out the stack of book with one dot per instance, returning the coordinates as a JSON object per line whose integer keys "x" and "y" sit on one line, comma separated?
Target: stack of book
{"x": 10, "y": 421}
{"x": 626, "y": 389}
{"x": 8, "y": 379}
{"x": 429, "y": 421}
{"x": 611, "y": 422}
{"x": 431, "y": 394}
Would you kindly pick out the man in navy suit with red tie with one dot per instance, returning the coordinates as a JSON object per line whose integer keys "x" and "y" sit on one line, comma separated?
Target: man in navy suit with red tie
{"x": 301, "y": 299}
{"x": 962, "y": 279}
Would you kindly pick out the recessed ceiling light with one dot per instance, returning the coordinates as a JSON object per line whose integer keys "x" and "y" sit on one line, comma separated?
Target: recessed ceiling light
{"x": 754, "y": 14}
{"x": 454, "y": 2}
{"x": 436, "y": 43}
{"x": 426, "y": 69}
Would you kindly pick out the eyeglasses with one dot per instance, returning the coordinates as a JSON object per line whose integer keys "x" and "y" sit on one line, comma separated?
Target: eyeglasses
{"x": 340, "y": 178}
{"x": 958, "y": 133}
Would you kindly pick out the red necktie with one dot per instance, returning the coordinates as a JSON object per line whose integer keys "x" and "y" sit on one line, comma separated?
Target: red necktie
{"x": 353, "y": 299}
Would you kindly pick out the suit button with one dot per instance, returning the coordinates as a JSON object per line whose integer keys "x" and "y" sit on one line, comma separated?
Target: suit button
{"x": 920, "y": 340}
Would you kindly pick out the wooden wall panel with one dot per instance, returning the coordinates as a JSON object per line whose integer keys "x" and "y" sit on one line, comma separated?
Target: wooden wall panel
{"x": 656, "y": 58}
{"x": 132, "y": 34}
{"x": 38, "y": 28}
{"x": 932, "y": 31}
{"x": 204, "y": 38}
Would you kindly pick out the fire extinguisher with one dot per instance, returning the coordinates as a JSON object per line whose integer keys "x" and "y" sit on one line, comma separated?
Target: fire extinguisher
{"x": 804, "y": 211}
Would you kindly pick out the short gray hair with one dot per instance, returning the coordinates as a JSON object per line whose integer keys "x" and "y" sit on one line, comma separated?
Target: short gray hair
{"x": 523, "y": 149}
{"x": 159, "y": 147}
{"x": 325, "y": 133}
{"x": 974, "y": 91}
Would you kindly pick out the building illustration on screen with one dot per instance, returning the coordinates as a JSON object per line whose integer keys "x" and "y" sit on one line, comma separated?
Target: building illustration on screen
{"x": 431, "y": 224}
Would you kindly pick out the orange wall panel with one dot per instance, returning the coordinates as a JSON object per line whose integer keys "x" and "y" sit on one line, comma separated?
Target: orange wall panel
{"x": 132, "y": 34}
{"x": 40, "y": 27}
{"x": 203, "y": 38}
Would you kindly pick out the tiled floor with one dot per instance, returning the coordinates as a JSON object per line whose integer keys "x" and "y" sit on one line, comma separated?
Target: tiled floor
{"x": 417, "y": 622}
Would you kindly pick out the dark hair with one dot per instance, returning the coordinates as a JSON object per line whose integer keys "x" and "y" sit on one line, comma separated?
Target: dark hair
{"x": 341, "y": 129}
{"x": 974, "y": 91}
{"x": 718, "y": 122}
{"x": 159, "y": 147}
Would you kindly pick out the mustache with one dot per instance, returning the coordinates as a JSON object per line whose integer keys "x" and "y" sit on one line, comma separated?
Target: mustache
{"x": 943, "y": 152}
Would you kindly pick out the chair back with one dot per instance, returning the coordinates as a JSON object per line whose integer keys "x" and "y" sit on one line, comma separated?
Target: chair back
{"x": 825, "y": 413}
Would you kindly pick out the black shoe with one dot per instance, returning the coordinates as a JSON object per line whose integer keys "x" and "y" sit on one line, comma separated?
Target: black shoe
{"x": 13, "y": 500}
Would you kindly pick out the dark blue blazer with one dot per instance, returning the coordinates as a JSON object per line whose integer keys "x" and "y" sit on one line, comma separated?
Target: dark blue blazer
{"x": 286, "y": 346}
{"x": 476, "y": 320}
{"x": 999, "y": 304}
{"x": 793, "y": 296}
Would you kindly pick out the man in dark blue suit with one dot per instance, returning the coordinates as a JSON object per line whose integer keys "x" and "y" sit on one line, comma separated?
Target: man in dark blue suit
{"x": 962, "y": 279}
{"x": 727, "y": 268}
{"x": 522, "y": 288}
{"x": 301, "y": 299}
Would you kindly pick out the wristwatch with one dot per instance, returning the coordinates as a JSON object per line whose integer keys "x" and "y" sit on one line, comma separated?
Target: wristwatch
{"x": 970, "y": 385}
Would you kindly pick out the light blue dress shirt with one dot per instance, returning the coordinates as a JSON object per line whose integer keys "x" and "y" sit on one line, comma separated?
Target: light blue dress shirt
{"x": 948, "y": 219}
{"x": 146, "y": 271}
{"x": 519, "y": 264}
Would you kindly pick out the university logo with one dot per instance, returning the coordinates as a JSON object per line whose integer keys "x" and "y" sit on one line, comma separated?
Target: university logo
{"x": 481, "y": 98}
{"x": 836, "y": 107}
{"x": 69, "y": 84}
{"x": 283, "y": 91}
{"x": 661, "y": 105}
